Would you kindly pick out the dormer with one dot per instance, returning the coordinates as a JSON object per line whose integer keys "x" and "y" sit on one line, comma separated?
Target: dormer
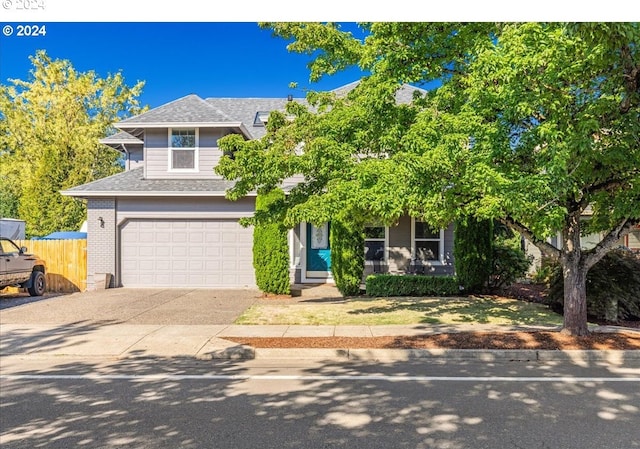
{"x": 180, "y": 138}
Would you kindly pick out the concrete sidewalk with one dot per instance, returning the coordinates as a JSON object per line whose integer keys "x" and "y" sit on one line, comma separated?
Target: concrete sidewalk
{"x": 192, "y": 323}
{"x": 208, "y": 342}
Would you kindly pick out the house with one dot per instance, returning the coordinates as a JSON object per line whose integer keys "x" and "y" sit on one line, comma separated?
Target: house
{"x": 165, "y": 221}
{"x": 631, "y": 241}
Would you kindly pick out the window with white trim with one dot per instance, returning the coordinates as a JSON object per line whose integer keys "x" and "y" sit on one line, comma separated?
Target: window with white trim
{"x": 427, "y": 242}
{"x": 374, "y": 243}
{"x": 183, "y": 144}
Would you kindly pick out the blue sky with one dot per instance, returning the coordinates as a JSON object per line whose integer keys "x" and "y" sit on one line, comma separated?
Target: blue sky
{"x": 216, "y": 49}
{"x": 214, "y": 59}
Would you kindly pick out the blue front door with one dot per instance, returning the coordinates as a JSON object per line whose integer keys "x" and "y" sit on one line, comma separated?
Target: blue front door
{"x": 318, "y": 251}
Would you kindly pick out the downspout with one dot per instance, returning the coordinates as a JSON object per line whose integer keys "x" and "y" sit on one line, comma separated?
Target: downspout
{"x": 127, "y": 162}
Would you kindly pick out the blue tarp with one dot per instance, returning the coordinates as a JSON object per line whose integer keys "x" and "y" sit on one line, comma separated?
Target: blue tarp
{"x": 65, "y": 235}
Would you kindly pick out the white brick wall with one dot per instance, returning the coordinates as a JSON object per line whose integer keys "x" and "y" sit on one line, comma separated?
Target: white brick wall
{"x": 101, "y": 239}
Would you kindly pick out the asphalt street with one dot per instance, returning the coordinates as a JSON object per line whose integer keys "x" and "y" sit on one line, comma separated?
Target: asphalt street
{"x": 154, "y": 403}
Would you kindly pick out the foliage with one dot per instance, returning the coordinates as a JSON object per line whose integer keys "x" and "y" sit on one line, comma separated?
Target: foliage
{"x": 271, "y": 249}
{"x": 472, "y": 253}
{"x": 396, "y": 285}
{"x": 509, "y": 262}
{"x": 49, "y": 131}
{"x": 530, "y": 124}
{"x": 613, "y": 287}
{"x": 543, "y": 274}
{"x": 347, "y": 256}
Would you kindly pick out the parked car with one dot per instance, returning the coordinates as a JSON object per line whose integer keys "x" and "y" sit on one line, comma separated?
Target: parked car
{"x": 21, "y": 269}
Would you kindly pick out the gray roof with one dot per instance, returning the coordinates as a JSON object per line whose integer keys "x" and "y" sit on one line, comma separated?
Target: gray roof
{"x": 189, "y": 109}
{"x": 239, "y": 112}
{"x": 121, "y": 137}
{"x": 404, "y": 95}
{"x": 132, "y": 183}
{"x": 245, "y": 109}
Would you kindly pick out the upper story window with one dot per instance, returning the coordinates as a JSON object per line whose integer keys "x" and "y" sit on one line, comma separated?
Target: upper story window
{"x": 183, "y": 149}
{"x": 427, "y": 242}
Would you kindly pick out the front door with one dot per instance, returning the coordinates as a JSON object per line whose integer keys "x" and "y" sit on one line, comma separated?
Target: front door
{"x": 318, "y": 251}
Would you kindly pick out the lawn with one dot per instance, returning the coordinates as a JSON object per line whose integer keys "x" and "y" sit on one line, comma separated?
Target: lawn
{"x": 402, "y": 310}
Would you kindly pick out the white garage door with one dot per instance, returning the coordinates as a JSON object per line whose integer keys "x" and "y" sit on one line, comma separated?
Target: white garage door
{"x": 186, "y": 253}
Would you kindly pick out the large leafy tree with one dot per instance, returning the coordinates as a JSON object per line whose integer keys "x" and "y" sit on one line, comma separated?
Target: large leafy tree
{"x": 50, "y": 125}
{"x": 533, "y": 124}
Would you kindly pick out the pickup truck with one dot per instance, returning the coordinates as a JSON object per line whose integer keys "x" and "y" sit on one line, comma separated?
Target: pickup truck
{"x": 20, "y": 269}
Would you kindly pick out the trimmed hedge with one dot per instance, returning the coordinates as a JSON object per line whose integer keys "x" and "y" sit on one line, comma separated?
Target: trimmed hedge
{"x": 347, "y": 256}
{"x": 271, "y": 250}
{"x": 473, "y": 253}
{"x": 410, "y": 285}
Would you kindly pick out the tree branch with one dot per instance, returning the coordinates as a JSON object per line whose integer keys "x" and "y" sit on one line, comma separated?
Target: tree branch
{"x": 623, "y": 228}
{"x": 547, "y": 248}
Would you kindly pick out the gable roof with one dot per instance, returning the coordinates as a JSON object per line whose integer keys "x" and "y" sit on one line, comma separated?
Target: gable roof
{"x": 193, "y": 111}
{"x": 187, "y": 110}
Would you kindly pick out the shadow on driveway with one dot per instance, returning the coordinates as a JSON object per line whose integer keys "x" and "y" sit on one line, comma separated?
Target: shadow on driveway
{"x": 129, "y": 306}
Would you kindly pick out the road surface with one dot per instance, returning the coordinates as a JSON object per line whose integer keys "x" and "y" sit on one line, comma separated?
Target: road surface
{"x": 152, "y": 403}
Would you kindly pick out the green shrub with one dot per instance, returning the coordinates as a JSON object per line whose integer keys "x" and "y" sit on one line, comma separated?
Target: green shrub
{"x": 613, "y": 287}
{"x": 271, "y": 250}
{"x": 472, "y": 253}
{"x": 399, "y": 285}
{"x": 347, "y": 256}
{"x": 509, "y": 260}
{"x": 543, "y": 274}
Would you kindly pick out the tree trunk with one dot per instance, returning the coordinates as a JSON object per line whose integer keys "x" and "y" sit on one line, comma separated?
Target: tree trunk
{"x": 575, "y": 299}
{"x": 574, "y": 273}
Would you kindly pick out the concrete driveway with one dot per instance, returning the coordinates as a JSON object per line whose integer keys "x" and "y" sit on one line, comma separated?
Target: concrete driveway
{"x": 132, "y": 306}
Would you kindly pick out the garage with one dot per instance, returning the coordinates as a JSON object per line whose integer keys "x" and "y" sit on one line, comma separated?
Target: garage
{"x": 186, "y": 253}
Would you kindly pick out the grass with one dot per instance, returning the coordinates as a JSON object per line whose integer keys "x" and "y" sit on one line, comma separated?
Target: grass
{"x": 379, "y": 311}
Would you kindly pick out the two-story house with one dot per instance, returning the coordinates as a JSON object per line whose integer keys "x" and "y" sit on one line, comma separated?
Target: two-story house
{"x": 165, "y": 221}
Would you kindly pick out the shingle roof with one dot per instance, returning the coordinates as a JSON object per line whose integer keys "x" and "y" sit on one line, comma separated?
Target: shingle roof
{"x": 132, "y": 183}
{"x": 121, "y": 137}
{"x": 404, "y": 95}
{"x": 192, "y": 109}
{"x": 245, "y": 109}
{"x": 189, "y": 109}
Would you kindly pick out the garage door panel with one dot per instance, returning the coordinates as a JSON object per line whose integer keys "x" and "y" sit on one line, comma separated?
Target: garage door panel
{"x": 162, "y": 251}
{"x": 212, "y": 266}
{"x": 212, "y": 252}
{"x": 212, "y": 236}
{"x": 196, "y": 251}
{"x": 179, "y": 253}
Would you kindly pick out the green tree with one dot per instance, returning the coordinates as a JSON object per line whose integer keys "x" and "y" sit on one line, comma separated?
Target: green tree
{"x": 50, "y": 125}
{"x": 532, "y": 124}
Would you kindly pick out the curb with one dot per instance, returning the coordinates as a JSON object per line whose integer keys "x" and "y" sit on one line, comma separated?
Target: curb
{"x": 242, "y": 352}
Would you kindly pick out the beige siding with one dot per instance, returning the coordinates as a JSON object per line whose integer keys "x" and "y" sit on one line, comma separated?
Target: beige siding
{"x": 136, "y": 157}
{"x": 157, "y": 155}
{"x": 186, "y": 207}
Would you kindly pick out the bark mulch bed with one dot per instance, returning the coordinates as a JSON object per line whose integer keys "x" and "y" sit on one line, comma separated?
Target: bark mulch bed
{"x": 542, "y": 340}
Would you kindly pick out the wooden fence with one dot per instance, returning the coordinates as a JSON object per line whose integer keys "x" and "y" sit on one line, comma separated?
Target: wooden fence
{"x": 66, "y": 262}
